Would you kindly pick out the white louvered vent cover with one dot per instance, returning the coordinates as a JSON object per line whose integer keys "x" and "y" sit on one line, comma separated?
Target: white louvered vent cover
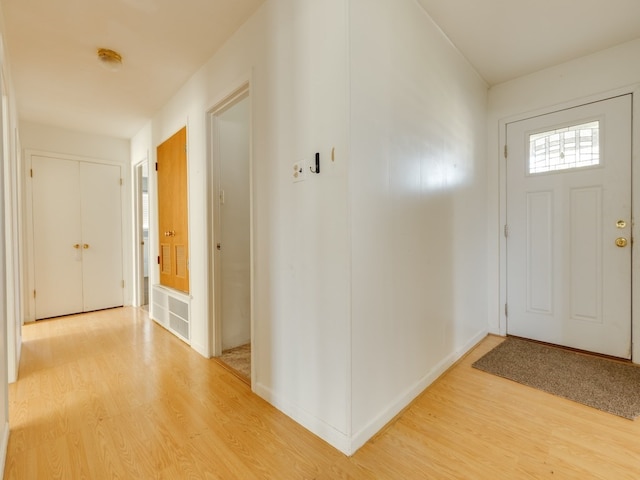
{"x": 179, "y": 317}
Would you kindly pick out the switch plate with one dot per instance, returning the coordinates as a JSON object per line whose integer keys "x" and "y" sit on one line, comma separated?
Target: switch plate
{"x": 299, "y": 171}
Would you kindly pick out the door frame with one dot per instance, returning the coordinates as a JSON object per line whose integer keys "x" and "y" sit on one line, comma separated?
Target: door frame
{"x": 213, "y": 165}
{"x": 634, "y": 90}
{"x": 138, "y": 255}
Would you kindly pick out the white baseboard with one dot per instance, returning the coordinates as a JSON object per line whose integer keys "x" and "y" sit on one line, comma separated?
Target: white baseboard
{"x": 329, "y": 434}
{"x": 405, "y": 398}
{"x": 341, "y": 440}
{"x": 3, "y": 447}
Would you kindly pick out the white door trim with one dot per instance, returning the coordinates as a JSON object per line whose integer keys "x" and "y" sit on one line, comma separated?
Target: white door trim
{"x": 635, "y": 186}
{"x": 235, "y": 95}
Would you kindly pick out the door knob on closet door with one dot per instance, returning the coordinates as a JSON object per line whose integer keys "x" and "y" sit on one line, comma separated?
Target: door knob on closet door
{"x": 85, "y": 246}
{"x": 76, "y": 246}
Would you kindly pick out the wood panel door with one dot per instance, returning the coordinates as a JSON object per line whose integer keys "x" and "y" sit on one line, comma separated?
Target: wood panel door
{"x": 173, "y": 212}
{"x": 77, "y": 228}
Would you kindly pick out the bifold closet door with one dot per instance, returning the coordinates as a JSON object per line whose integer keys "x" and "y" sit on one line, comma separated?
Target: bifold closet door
{"x": 57, "y": 237}
{"x": 77, "y": 229}
{"x": 101, "y": 236}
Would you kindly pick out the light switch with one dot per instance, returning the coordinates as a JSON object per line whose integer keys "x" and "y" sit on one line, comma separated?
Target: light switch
{"x": 299, "y": 172}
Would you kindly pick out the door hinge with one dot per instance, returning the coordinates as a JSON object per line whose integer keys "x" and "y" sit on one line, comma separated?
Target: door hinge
{"x": 156, "y": 166}
{"x": 122, "y": 283}
{"x": 31, "y": 172}
{"x": 158, "y": 259}
{"x": 34, "y": 294}
{"x": 505, "y": 150}
{"x": 121, "y": 182}
{"x": 185, "y": 148}
{"x": 506, "y": 231}
{"x": 506, "y": 310}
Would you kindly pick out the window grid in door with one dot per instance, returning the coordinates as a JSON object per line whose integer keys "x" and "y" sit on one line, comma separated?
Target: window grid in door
{"x": 573, "y": 146}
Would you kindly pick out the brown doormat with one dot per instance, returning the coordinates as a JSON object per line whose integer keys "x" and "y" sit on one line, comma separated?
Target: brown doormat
{"x": 602, "y": 383}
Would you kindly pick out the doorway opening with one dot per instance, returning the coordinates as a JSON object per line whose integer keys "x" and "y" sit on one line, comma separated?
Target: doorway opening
{"x": 141, "y": 179}
{"x": 230, "y": 131}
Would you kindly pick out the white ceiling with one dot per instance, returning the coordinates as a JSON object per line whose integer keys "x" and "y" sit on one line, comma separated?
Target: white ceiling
{"x": 58, "y": 81}
{"x": 505, "y": 39}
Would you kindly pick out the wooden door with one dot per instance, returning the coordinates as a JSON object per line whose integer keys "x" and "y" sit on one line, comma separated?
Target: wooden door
{"x": 57, "y": 242}
{"x": 569, "y": 227}
{"x": 173, "y": 212}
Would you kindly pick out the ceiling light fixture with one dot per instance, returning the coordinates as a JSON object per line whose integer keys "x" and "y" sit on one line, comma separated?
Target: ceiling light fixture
{"x": 109, "y": 59}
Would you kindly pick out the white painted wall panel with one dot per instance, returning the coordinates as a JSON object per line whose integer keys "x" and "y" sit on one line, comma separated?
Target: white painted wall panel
{"x": 9, "y": 325}
{"x": 417, "y": 191}
{"x": 35, "y": 136}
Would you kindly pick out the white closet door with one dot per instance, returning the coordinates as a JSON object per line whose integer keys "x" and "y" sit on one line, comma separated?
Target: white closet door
{"x": 100, "y": 202}
{"x": 57, "y": 237}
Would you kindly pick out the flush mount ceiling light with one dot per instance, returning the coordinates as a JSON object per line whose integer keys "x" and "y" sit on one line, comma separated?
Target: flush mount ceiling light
{"x": 109, "y": 59}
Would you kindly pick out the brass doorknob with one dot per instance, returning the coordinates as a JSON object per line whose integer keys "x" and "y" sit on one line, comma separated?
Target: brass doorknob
{"x": 621, "y": 242}
{"x": 76, "y": 246}
{"x": 85, "y": 246}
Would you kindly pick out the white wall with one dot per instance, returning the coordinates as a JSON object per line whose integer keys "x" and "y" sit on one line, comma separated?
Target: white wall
{"x": 13, "y": 227}
{"x": 9, "y": 324}
{"x": 294, "y": 53}
{"x": 418, "y": 207}
{"x": 593, "y": 77}
{"x": 401, "y": 208}
{"x": 51, "y": 139}
{"x": 45, "y": 138}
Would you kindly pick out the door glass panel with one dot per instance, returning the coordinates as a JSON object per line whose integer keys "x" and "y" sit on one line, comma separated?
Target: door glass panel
{"x": 573, "y": 146}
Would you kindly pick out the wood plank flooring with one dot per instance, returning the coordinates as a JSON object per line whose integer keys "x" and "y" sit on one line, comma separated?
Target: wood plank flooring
{"x": 111, "y": 395}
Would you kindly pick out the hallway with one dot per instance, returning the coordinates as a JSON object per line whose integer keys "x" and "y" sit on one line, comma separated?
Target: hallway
{"x": 111, "y": 394}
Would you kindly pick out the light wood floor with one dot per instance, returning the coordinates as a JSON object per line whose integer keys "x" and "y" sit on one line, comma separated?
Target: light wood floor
{"x": 112, "y": 395}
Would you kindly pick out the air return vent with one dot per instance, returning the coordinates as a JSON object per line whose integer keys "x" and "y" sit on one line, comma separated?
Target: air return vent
{"x": 171, "y": 310}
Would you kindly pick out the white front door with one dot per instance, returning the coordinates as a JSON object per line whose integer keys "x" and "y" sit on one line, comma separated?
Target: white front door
{"x": 569, "y": 227}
